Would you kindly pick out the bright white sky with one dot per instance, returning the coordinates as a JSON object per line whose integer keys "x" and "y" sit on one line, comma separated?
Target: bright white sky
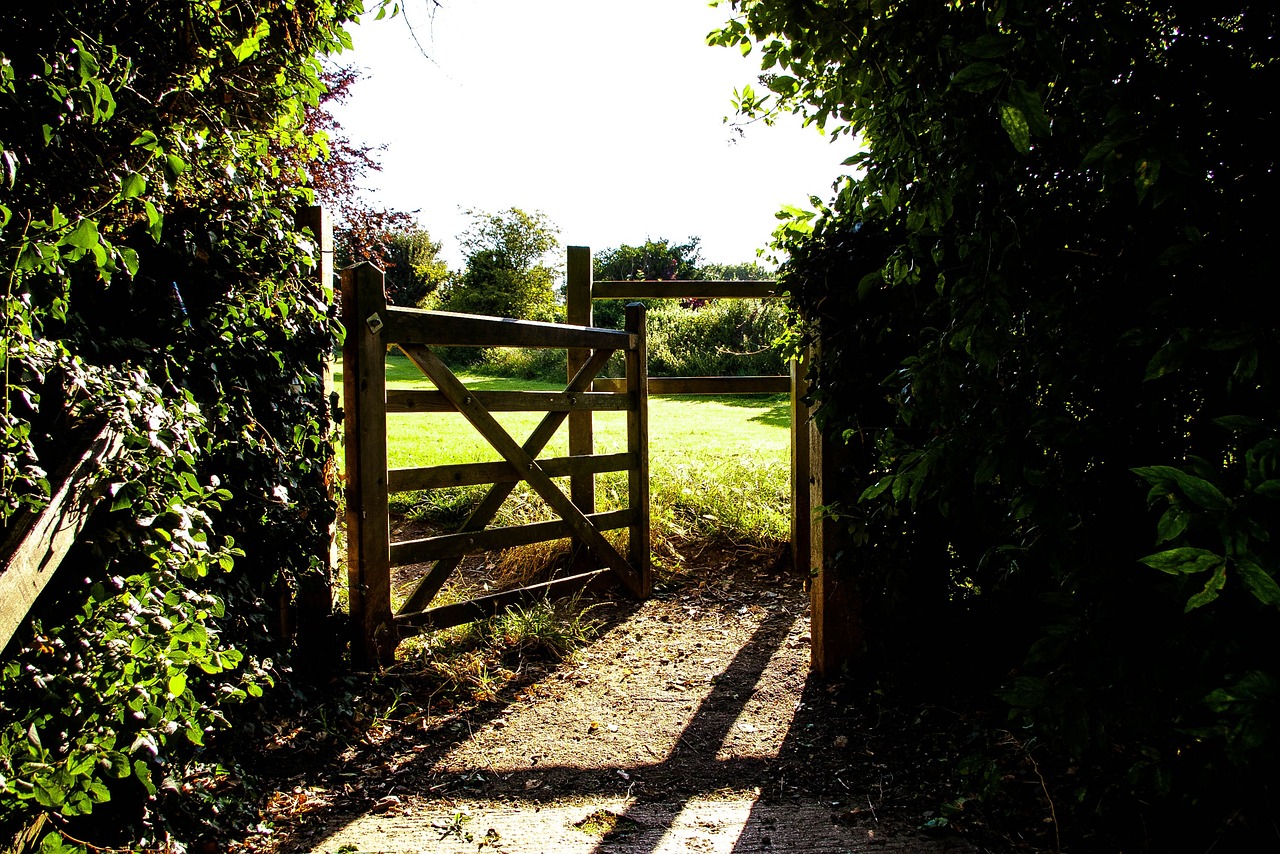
{"x": 605, "y": 115}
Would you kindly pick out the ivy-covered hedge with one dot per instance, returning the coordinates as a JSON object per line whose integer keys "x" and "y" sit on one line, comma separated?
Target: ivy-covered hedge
{"x": 153, "y": 159}
{"x": 1041, "y": 311}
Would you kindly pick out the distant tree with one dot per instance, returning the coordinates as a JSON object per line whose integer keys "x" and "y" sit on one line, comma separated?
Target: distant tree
{"x": 654, "y": 259}
{"x": 413, "y": 267}
{"x": 746, "y": 271}
{"x": 508, "y": 273}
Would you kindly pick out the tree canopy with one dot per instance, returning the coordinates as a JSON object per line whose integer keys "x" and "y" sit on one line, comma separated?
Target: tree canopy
{"x": 511, "y": 267}
{"x": 1037, "y": 299}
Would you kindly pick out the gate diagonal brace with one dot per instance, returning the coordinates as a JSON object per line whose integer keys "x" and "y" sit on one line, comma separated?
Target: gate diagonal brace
{"x": 488, "y": 427}
{"x": 484, "y": 513}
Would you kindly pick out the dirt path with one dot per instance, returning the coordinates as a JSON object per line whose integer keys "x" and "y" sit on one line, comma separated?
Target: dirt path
{"x": 690, "y": 724}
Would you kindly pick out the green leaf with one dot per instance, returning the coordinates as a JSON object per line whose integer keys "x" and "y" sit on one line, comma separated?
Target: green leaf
{"x": 784, "y": 84}
{"x": 1145, "y": 175}
{"x": 1211, "y": 589}
{"x": 876, "y": 488}
{"x": 1260, "y": 584}
{"x": 1015, "y": 124}
{"x": 132, "y": 186}
{"x": 1172, "y": 524}
{"x": 155, "y": 221}
{"x": 1183, "y": 561}
{"x": 979, "y": 77}
{"x": 1201, "y": 491}
{"x": 177, "y": 684}
{"x": 988, "y": 46}
{"x": 1238, "y": 423}
{"x": 1032, "y": 108}
{"x": 249, "y": 46}
{"x": 83, "y": 236}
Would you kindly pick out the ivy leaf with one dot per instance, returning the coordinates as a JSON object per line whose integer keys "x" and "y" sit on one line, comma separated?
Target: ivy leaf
{"x": 249, "y": 46}
{"x": 1015, "y": 124}
{"x": 83, "y": 236}
{"x": 132, "y": 186}
{"x": 1183, "y": 561}
{"x": 1211, "y": 589}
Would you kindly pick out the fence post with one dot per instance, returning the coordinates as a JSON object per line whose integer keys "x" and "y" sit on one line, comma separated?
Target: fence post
{"x": 801, "y": 503}
{"x": 582, "y": 487}
{"x": 638, "y": 448}
{"x": 835, "y": 603}
{"x": 364, "y": 308}
{"x": 316, "y": 645}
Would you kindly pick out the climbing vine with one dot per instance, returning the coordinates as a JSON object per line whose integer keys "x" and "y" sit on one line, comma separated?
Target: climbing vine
{"x": 153, "y": 161}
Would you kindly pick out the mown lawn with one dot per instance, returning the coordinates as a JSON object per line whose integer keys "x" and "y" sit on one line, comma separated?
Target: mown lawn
{"x": 718, "y": 464}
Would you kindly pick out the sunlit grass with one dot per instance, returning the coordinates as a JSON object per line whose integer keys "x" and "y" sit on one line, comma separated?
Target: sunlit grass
{"x": 719, "y": 465}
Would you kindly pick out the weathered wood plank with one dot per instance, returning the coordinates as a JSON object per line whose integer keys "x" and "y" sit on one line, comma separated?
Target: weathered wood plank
{"x": 446, "y": 329}
{"x": 458, "y": 613}
{"x": 36, "y": 546}
{"x": 368, "y": 531}
{"x": 582, "y": 489}
{"x": 683, "y": 289}
{"x": 492, "y": 539}
{"x": 418, "y": 400}
{"x": 430, "y": 583}
{"x": 704, "y": 385}
{"x": 638, "y": 448}
{"x": 493, "y": 432}
{"x": 474, "y": 474}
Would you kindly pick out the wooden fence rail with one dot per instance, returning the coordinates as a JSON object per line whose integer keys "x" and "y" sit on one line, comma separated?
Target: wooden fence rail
{"x": 37, "y": 543}
{"x": 372, "y": 325}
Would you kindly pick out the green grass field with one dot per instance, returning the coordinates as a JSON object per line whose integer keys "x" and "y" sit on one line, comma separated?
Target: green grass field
{"x": 718, "y": 464}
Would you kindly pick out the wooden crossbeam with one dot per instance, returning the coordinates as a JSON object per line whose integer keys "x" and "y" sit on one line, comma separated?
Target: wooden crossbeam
{"x": 484, "y": 422}
{"x": 492, "y": 539}
{"x": 490, "y": 504}
{"x": 683, "y": 289}
{"x": 423, "y": 400}
{"x": 434, "y": 619}
{"x": 473, "y": 474}
{"x": 703, "y": 385}
{"x": 447, "y": 329}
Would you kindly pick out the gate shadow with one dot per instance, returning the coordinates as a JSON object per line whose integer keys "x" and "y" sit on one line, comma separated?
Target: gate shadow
{"x": 775, "y": 777}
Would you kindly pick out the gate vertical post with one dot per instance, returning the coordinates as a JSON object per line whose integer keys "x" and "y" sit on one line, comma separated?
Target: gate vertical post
{"x": 801, "y": 503}
{"x": 835, "y": 602}
{"x": 315, "y": 594}
{"x": 364, "y": 308}
{"x": 582, "y": 487}
{"x": 638, "y": 447}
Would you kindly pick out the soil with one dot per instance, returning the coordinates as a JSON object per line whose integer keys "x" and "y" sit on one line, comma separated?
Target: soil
{"x": 690, "y": 723}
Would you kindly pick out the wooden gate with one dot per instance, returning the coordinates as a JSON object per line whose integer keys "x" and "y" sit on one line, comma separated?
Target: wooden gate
{"x": 372, "y": 326}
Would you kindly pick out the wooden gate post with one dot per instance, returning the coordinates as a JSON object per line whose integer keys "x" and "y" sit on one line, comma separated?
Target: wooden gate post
{"x": 582, "y": 487}
{"x": 835, "y": 603}
{"x": 364, "y": 311}
{"x": 638, "y": 447}
{"x": 314, "y": 605}
{"x": 801, "y": 503}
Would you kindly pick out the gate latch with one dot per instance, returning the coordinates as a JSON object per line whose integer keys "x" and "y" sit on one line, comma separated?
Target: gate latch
{"x": 375, "y": 323}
